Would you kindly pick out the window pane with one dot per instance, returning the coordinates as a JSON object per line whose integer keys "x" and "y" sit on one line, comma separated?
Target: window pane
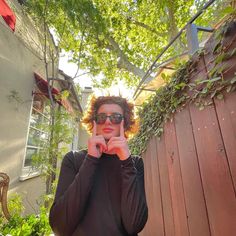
{"x": 29, "y": 154}
{"x": 38, "y": 120}
{"x": 36, "y": 137}
{"x": 38, "y": 131}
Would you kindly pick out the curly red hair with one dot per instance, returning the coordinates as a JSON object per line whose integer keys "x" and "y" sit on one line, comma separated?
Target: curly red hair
{"x": 130, "y": 123}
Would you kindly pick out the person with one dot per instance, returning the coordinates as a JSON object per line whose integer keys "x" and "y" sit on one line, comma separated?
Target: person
{"x": 100, "y": 190}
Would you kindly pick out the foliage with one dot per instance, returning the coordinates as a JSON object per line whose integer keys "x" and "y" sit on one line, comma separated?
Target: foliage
{"x": 31, "y": 225}
{"x": 63, "y": 129}
{"x": 15, "y": 205}
{"x": 180, "y": 90}
{"x": 63, "y": 133}
{"x": 117, "y": 39}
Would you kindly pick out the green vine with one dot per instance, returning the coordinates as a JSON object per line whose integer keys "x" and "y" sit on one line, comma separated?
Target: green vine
{"x": 179, "y": 91}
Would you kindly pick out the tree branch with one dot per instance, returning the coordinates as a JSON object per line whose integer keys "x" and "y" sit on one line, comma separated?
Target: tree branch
{"x": 123, "y": 62}
{"x": 147, "y": 27}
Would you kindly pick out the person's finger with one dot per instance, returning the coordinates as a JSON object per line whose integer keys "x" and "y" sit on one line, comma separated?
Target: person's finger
{"x": 100, "y": 148}
{"x": 115, "y": 144}
{"x": 94, "y": 129}
{"x": 110, "y": 147}
{"x": 100, "y": 141}
{"x": 122, "y": 131}
{"x": 112, "y": 139}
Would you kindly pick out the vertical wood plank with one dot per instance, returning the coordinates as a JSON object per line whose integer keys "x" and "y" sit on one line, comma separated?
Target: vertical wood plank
{"x": 158, "y": 227}
{"x": 217, "y": 182}
{"x": 149, "y": 192}
{"x": 226, "y": 112}
{"x": 193, "y": 190}
{"x": 144, "y": 232}
{"x": 169, "y": 229}
{"x": 175, "y": 178}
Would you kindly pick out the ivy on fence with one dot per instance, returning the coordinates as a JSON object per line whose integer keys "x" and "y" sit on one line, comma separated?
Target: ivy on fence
{"x": 180, "y": 90}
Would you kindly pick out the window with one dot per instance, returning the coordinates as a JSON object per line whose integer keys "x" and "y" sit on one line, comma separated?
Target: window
{"x": 37, "y": 136}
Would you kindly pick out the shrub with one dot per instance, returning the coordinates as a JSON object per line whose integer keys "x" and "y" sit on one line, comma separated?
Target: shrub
{"x": 30, "y": 225}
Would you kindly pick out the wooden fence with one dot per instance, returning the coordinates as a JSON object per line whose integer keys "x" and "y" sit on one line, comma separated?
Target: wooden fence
{"x": 190, "y": 173}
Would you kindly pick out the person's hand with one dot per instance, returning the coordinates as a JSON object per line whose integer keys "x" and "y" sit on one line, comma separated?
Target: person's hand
{"x": 119, "y": 144}
{"x": 96, "y": 143}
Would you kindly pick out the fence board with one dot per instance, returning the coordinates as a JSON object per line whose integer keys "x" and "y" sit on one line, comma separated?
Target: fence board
{"x": 165, "y": 188}
{"x": 193, "y": 190}
{"x": 148, "y": 187}
{"x": 158, "y": 227}
{"x": 217, "y": 182}
{"x": 175, "y": 178}
{"x": 147, "y": 228}
{"x": 226, "y": 112}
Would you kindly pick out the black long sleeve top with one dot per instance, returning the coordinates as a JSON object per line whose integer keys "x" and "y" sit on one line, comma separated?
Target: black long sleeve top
{"x": 99, "y": 196}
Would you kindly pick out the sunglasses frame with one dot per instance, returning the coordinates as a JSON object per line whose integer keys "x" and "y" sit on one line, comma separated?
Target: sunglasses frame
{"x": 110, "y": 118}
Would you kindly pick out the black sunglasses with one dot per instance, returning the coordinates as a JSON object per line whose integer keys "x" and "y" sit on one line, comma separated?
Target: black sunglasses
{"x": 115, "y": 118}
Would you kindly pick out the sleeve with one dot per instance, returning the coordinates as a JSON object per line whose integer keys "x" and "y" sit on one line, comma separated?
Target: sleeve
{"x": 134, "y": 211}
{"x": 72, "y": 193}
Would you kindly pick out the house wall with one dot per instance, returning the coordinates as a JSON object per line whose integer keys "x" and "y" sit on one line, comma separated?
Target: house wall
{"x": 83, "y": 134}
{"x": 19, "y": 58}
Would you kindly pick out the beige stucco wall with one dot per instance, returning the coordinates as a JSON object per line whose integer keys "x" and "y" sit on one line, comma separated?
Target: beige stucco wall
{"x": 18, "y": 61}
{"x": 83, "y": 135}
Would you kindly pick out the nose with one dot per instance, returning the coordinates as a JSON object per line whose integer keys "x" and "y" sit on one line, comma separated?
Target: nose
{"x": 108, "y": 121}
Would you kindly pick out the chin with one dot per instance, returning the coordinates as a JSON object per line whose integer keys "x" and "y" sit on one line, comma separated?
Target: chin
{"x": 108, "y": 136}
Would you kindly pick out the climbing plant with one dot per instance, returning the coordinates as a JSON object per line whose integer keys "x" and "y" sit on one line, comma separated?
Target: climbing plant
{"x": 180, "y": 90}
{"x": 63, "y": 130}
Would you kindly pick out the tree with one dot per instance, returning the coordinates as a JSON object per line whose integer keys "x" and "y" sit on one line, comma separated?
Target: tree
{"x": 119, "y": 39}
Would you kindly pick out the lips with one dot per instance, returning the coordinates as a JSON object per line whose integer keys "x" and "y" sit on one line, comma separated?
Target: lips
{"x": 107, "y": 130}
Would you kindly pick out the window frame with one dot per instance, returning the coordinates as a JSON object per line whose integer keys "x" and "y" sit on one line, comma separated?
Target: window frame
{"x": 30, "y": 171}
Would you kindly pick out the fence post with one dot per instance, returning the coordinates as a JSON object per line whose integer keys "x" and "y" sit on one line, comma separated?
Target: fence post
{"x": 192, "y": 38}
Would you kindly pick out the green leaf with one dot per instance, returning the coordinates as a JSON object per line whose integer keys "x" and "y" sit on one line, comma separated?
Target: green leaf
{"x": 201, "y": 107}
{"x": 213, "y": 94}
{"x": 233, "y": 53}
{"x": 217, "y": 46}
{"x": 219, "y": 58}
{"x": 228, "y": 10}
{"x": 215, "y": 79}
{"x": 229, "y": 88}
{"x": 203, "y": 81}
{"x": 205, "y": 90}
{"x": 232, "y": 81}
{"x": 220, "y": 96}
{"x": 213, "y": 71}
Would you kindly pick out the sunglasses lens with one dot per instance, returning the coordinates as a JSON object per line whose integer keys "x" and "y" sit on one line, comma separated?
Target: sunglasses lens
{"x": 101, "y": 119}
{"x": 115, "y": 118}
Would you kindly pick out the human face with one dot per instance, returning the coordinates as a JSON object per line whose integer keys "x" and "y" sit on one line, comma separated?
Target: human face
{"x": 108, "y": 130}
